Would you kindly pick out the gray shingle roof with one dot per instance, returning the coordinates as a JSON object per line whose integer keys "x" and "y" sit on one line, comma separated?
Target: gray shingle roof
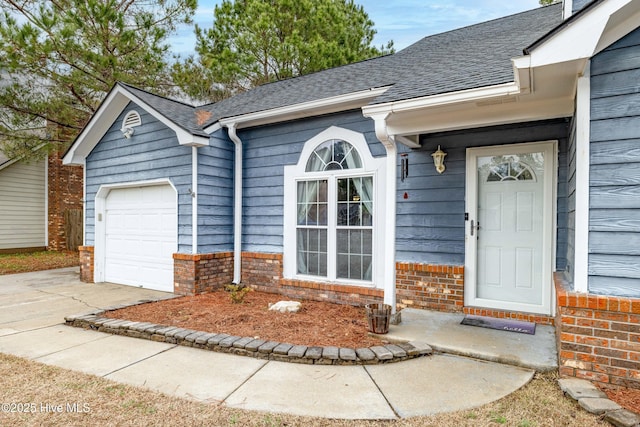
{"x": 467, "y": 58}
{"x": 183, "y": 115}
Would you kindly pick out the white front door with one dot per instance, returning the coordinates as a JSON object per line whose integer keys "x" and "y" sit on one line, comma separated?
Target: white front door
{"x": 509, "y": 238}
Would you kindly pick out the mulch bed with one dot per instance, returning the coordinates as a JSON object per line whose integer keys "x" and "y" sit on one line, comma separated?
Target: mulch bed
{"x": 628, "y": 398}
{"x": 316, "y": 324}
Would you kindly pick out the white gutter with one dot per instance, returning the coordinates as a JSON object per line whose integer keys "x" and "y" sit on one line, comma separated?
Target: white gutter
{"x": 470, "y": 95}
{"x": 332, "y": 104}
{"x": 237, "y": 208}
{"x": 390, "y": 203}
{"x": 194, "y": 199}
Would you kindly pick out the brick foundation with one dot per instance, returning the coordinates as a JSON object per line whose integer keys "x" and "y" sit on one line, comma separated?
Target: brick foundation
{"x": 598, "y": 337}
{"x": 263, "y": 272}
{"x": 427, "y": 286}
{"x": 86, "y": 263}
{"x": 65, "y": 194}
{"x": 197, "y": 273}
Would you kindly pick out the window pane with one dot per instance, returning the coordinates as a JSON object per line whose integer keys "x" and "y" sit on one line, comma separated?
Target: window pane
{"x": 322, "y": 214}
{"x": 355, "y": 241}
{"x": 312, "y": 253}
{"x": 322, "y": 191}
{"x": 355, "y": 267}
{"x": 367, "y": 215}
{"x": 366, "y": 268}
{"x": 342, "y": 266}
{"x": 322, "y": 240}
{"x": 367, "y": 242}
{"x": 343, "y": 214}
{"x": 353, "y": 258}
{"x": 342, "y": 241}
{"x": 343, "y": 192}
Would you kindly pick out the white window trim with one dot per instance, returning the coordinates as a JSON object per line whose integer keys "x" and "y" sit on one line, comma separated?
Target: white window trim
{"x": 375, "y": 167}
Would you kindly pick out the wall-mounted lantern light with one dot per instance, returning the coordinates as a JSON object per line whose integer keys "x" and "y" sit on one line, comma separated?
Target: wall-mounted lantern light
{"x": 438, "y": 159}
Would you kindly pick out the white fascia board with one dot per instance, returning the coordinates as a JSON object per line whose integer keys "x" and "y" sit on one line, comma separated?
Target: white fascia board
{"x": 591, "y": 32}
{"x": 109, "y": 110}
{"x": 470, "y": 95}
{"x": 305, "y": 109}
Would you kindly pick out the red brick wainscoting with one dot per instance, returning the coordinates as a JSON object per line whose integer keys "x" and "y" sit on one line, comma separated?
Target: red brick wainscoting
{"x": 598, "y": 337}
{"x": 197, "y": 273}
{"x": 434, "y": 287}
{"x": 86, "y": 263}
{"x": 263, "y": 272}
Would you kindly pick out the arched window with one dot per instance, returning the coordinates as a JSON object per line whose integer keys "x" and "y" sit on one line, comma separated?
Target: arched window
{"x": 334, "y": 227}
{"x": 333, "y": 221}
{"x": 334, "y": 154}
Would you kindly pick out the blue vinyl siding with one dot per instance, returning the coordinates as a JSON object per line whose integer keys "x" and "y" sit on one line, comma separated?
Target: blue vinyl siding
{"x": 266, "y": 151}
{"x": 152, "y": 153}
{"x": 215, "y": 194}
{"x": 614, "y": 218}
{"x": 430, "y": 220}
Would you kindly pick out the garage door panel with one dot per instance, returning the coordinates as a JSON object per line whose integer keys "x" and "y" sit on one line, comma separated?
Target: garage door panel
{"x": 141, "y": 236}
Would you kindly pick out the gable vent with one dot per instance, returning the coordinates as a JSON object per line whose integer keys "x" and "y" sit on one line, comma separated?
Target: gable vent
{"x": 132, "y": 119}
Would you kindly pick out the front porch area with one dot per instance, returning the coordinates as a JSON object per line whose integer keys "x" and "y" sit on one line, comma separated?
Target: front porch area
{"x": 444, "y": 333}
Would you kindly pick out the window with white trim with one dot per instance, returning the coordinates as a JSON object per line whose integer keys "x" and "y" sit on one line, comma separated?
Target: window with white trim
{"x": 346, "y": 235}
{"x": 333, "y": 221}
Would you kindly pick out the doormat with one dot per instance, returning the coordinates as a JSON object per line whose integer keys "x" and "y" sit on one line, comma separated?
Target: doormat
{"x": 500, "y": 324}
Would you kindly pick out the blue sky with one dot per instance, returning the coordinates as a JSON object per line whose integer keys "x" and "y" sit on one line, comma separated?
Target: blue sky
{"x": 403, "y": 21}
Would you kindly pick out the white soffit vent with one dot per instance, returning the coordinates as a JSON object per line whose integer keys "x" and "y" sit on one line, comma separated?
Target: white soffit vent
{"x": 131, "y": 120}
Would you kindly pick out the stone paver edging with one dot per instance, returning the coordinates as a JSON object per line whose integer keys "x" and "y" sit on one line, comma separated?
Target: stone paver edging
{"x": 596, "y": 402}
{"x": 247, "y": 346}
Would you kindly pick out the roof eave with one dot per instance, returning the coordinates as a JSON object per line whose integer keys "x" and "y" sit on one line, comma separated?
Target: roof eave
{"x": 317, "y": 107}
{"x": 444, "y": 99}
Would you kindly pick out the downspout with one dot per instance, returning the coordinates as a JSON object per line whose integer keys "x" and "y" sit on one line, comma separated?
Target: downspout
{"x": 391, "y": 149}
{"x": 194, "y": 199}
{"x": 237, "y": 208}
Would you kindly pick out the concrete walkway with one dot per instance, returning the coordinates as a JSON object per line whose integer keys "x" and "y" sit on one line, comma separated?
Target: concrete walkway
{"x": 32, "y": 310}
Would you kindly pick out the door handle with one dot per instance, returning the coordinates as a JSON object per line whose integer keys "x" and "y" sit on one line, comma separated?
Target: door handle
{"x": 474, "y": 226}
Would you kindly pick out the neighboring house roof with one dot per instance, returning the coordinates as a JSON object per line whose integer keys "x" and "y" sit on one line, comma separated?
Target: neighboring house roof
{"x": 471, "y": 57}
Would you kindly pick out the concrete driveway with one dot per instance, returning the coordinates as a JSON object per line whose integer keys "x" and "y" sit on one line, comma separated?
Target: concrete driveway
{"x": 36, "y": 300}
{"x": 32, "y": 311}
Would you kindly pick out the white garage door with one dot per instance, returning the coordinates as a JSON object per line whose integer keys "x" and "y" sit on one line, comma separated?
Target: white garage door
{"x": 141, "y": 236}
